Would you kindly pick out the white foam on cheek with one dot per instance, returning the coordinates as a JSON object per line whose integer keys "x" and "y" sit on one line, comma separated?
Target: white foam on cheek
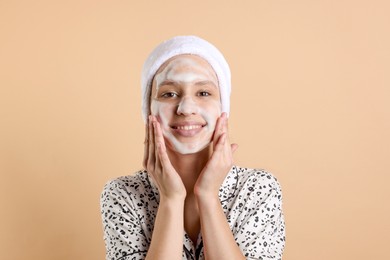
{"x": 159, "y": 110}
{"x": 211, "y": 115}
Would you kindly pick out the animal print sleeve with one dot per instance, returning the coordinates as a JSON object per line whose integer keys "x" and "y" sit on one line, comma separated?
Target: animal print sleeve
{"x": 123, "y": 236}
{"x": 262, "y": 231}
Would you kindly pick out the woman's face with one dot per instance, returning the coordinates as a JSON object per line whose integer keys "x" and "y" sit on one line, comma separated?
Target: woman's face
{"x": 186, "y": 101}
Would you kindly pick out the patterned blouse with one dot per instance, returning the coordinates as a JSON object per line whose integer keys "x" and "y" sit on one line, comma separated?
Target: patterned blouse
{"x": 250, "y": 198}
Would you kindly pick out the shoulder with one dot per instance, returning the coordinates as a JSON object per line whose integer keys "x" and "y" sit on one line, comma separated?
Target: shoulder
{"x": 259, "y": 176}
{"x": 124, "y": 186}
{"x": 258, "y": 182}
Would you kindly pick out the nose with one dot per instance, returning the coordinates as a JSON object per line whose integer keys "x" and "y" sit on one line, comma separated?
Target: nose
{"x": 187, "y": 106}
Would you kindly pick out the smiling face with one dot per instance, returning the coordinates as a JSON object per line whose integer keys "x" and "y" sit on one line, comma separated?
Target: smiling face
{"x": 186, "y": 101}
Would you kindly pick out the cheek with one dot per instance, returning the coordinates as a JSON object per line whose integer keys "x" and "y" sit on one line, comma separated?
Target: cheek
{"x": 211, "y": 113}
{"x": 162, "y": 111}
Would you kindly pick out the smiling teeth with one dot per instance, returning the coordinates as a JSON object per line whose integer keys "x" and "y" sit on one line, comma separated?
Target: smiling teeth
{"x": 188, "y": 127}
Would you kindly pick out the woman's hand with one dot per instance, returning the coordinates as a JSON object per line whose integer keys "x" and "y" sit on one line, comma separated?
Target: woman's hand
{"x": 158, "y": 165}
{"x": 218, "y": 239}
{"x": 219, "y": 164}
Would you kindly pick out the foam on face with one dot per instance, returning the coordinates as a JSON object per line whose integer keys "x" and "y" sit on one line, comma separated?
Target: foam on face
{"x": 162, "y": 110}
{"x": 185, "y": 71}
{"x": 197, "y": 72}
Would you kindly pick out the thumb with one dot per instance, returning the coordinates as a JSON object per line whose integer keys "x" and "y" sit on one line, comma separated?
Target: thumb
{"x": 234, "y": 147}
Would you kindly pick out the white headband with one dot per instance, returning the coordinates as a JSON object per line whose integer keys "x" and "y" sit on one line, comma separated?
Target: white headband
{"x": 186, "y": 45}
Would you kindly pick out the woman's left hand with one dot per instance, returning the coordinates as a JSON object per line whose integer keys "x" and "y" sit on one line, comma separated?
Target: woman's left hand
{"x": 219, "y": 164}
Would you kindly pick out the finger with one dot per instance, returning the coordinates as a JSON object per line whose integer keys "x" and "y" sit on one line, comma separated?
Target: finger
{"x": 161, "y": 148}
{"x": 151, "y": 152}
{"x": 159, "y": 138}
{"x": 220, "y": 143}
{"x": 225, "y": 130}
{"x": 223, "y": 122}
{"x": 218, "y": 129}
{"x": 157, "y": 144}
{"x": 145, "y": 159}
{"x": 164, "y": 159}
{"x": 159, "y": 164}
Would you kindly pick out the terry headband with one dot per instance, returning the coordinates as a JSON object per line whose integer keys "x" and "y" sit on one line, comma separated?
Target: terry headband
{"x": 185, "y": 45}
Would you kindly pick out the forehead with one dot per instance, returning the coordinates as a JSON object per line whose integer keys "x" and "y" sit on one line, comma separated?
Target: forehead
{"x": 187, "y": 62}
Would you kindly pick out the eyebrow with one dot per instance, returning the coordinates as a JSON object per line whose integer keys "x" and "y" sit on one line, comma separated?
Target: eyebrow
{"x": 197, "y": 83}
{"x": 168, "y": 82}
{"x": 205, "y": 82}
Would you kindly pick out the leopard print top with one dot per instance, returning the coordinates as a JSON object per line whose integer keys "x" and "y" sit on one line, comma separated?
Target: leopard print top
{"x": 250, "y": 198}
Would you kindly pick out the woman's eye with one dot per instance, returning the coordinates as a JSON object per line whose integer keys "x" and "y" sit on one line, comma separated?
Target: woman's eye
{"x": 204, "y": 93}
{"x": 169, "y": 95}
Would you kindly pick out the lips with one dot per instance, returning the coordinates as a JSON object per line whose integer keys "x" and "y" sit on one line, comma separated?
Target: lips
{"x": 187, "y": 129}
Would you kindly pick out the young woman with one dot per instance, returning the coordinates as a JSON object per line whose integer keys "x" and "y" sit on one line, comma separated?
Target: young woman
{"x": 191, "y": 201}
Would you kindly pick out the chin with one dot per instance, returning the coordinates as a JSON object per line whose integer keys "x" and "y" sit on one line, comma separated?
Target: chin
{"x": 186, "y": 149}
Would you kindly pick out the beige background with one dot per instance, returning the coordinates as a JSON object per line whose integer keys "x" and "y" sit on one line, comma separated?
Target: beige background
{"x": 311, "y": 103}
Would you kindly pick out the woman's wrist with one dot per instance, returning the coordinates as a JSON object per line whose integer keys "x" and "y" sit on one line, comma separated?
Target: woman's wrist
{"x": 174, "y": 201}
{"x": 208, "y": 199}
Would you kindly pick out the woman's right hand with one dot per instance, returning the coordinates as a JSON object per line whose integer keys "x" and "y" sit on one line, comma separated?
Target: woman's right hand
{"x": 158, "y": 165}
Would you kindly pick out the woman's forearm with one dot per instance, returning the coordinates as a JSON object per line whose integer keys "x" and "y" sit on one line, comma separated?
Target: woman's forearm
{"x": 218, "y": 239}
{"x": 167, "y": 238}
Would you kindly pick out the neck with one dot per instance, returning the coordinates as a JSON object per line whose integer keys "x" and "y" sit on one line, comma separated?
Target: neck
{"x": 189, "y": 166}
